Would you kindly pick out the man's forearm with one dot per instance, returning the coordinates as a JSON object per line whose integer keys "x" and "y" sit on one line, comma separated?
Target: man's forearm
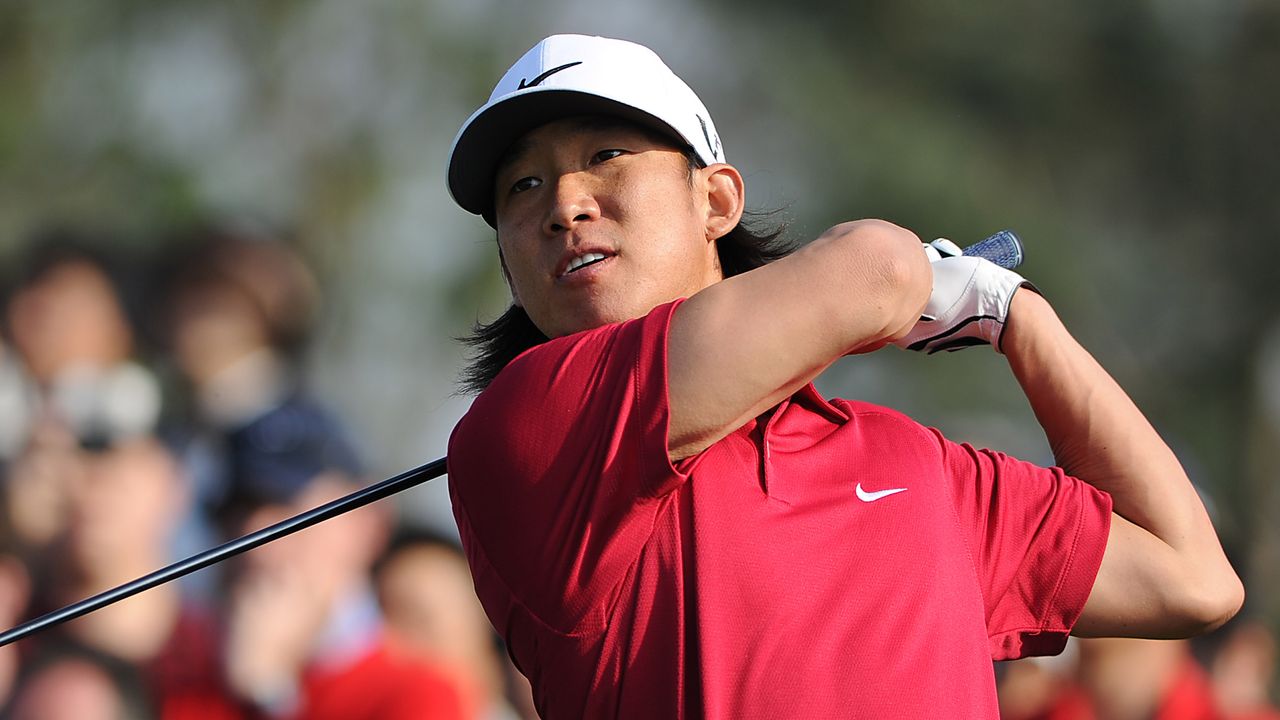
{"x": 1096, "y": 432}
{"x": 1100, "y": 436}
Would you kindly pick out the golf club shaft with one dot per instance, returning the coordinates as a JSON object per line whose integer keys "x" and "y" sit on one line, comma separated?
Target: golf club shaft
{"x": 344, "y": 504}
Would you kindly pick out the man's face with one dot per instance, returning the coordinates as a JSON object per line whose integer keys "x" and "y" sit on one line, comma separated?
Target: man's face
{"x": 600, "y": 222}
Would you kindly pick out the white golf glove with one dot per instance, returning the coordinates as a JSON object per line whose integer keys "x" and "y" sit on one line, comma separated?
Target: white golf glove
{"x": 969, "y": 302}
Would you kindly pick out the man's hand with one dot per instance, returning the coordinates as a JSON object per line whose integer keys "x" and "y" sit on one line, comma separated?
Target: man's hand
{"x": 968, "y": 304}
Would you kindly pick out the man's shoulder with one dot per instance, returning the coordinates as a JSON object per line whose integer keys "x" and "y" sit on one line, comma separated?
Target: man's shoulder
{"x": 593, "y": 374}
{"x": 583, "y": 351}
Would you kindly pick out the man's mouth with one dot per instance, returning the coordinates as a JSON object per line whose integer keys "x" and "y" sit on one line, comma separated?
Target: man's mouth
{"x": 584, "y": 260}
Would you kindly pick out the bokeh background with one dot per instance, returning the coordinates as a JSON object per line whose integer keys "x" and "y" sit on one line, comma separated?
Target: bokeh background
{"x": 1132, "y": 144}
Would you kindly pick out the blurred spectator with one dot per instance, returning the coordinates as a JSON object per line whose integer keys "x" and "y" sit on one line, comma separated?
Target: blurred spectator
{"x": 69, "y": 323}
{"x": 18, "y": 401}
{"x": 124, "y": 503}
{"x": 1129, "y": 679}
{"x": 238, "y": 309}
{"x": 68, "y": 682}
{"x": 37, "y": 486}
{"x": 15, "y": 588}
{"x": 305, "y": 636}
{"x": 72, "y": 335}
{"x": 431, "y": 609}
{"x": 1242, "y": 668}
{"x": 1030, "y": 687}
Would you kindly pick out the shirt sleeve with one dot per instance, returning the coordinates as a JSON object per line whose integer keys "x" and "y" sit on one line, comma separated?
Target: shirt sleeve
{"x": 557, "y": 470}
{"x": 1036, "y": 536}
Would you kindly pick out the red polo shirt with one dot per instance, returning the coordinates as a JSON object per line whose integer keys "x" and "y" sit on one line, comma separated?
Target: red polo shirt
{"x": 771, "y": 575}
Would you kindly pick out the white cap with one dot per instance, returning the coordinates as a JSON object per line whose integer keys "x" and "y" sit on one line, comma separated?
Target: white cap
{"x": 568, "y": 75}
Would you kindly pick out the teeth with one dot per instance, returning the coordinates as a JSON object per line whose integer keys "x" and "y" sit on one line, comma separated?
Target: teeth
{"x": 584, "y": 260}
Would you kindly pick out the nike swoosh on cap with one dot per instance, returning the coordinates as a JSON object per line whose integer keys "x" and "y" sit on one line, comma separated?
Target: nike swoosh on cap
{"x": 866, "y": 496}
{"x": 538, "y": 80}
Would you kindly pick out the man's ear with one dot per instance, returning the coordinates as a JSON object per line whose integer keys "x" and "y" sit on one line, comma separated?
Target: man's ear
{"x": 726, "y": 199}
{"x": 506, "y": 275}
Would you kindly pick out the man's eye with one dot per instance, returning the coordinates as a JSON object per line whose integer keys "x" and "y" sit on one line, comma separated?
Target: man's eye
{"x": 526, "y": 183}
{"x": 604, "y": 155}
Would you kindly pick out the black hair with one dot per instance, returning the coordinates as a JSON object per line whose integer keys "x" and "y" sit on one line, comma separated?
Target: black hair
{"x": 125, "y": 678}
{"x": 412, "y": 536}
{"x": 57, "y": 245}
{"x": 260, "y": 264}
{"x": 756, "y": 241}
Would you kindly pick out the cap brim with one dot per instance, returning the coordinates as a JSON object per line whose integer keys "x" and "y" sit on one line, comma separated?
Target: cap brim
{"x": 488, "y": 136}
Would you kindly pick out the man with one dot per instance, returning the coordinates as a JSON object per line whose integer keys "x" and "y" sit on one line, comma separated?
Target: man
{"x": 662, "y": 516}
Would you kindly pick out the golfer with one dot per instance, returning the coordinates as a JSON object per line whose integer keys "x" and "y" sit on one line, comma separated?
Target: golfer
{"x": 663, "y": 517}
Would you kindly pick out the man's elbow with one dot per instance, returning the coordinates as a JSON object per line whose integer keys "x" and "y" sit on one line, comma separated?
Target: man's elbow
{"x": 897, "y": 269}
{"x": 1210, "y": 602}
{"x": 911, "y": 279}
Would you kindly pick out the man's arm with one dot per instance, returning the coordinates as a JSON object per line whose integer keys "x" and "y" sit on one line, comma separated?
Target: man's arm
{"x": 1163, "y": 573}
{"x": 739, "y": 347}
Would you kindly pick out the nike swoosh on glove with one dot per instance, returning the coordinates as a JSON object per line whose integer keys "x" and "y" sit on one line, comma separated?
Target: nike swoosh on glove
{"x": 968, "y": 305}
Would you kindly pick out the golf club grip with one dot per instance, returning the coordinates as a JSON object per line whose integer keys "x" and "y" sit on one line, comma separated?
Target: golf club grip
{"x": 1004, "y": 249}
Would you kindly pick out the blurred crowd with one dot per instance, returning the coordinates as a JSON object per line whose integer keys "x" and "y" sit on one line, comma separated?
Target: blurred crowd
{"x": 154, "y": 407}
{"x": 1224, "y": 676}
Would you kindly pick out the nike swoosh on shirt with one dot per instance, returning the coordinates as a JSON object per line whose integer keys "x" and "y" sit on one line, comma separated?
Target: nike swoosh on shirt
{"x": 865, "y": 496}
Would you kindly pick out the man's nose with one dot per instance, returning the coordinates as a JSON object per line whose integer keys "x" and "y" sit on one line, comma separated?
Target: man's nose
{"x": 572, "y": 202}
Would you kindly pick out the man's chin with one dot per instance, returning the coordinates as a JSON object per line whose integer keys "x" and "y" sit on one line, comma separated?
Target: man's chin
{"x": 584, "y": 319}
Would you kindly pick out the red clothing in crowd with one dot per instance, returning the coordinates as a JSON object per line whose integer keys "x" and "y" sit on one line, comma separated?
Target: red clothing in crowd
{"x": 188, "y": 684}
{"x": 1189, "y": 697}
{"x": 186, "y": 677}
{"x": 379, "y": 686}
